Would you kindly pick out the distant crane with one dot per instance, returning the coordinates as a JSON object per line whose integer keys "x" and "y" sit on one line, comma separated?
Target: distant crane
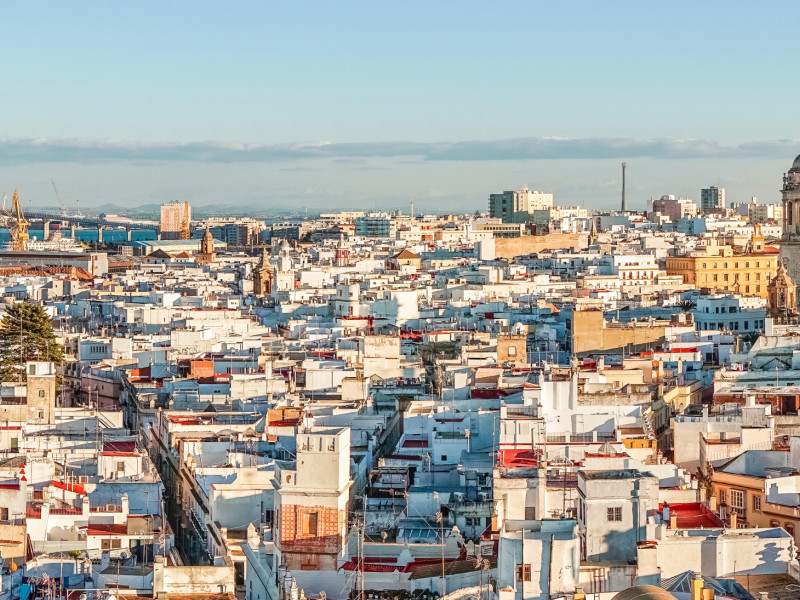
{"x": 16, "y": 223}
{"x": 58, "y": 197}
{"x": 185, "y": 231}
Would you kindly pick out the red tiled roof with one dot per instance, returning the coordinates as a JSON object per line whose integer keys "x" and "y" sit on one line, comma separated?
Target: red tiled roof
{"x": 415, "y": 444}
{"x": 70, "y": 487}
{"x": 119, "y": 446}
{"x": 107, "y": 529}
{"x": 693, "y": 515}
{"x": 519, "y": 458}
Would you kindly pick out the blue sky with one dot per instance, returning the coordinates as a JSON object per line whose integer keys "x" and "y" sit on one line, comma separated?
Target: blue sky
{"x": 353, "y": 104}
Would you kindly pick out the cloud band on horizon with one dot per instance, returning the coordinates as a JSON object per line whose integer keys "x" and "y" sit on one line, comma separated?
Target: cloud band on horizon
{"x": 29, "y": 150}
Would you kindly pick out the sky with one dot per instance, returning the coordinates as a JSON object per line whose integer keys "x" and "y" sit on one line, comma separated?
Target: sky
{"x": 363, "y": 105}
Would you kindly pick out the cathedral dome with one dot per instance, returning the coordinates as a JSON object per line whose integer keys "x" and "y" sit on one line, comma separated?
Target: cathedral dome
{"x": 796, "y": 164}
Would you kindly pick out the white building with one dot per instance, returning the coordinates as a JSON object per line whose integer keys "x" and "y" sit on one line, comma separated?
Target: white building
{"x": 613, "y": 511}
{"x": 732, "y": 312}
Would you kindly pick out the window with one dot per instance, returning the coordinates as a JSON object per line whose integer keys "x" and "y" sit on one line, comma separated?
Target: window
{"x": 116, "y": 544}
{"x": 41, "y": 393}
{"x": 310, "y": 524}
{"x": 756, "y": 502}
{"x": 789, "y": 529}
{"x": 614, "y": 514}
{"x": 723, "y": 498}
{"x": 444, "y": 457}
{"x": 121, "y": 466}
{"x": 524, "y": 572}
{"x": 3, "y": 514}
{"x": 737, "y": 498}
{"x": 512, "y": 350}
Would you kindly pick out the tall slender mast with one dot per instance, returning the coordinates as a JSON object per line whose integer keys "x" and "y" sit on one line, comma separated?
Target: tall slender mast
{"x": 624, "y": 201}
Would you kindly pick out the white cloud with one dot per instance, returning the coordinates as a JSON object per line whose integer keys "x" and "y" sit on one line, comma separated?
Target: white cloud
{"x": 31, "y": 150}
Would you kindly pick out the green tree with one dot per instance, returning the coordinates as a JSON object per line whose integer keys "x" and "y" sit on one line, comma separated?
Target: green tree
{"x": 686, "y": 306}
{"x": 26, "y": 333}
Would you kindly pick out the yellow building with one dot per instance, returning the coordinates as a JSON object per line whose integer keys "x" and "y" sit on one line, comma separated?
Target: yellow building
{"x": 747, "y": 274}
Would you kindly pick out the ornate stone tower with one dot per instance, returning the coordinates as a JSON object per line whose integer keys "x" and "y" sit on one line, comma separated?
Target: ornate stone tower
{"x": 782, "y": 297}
{"x": 790, "y": 242}
{"x": 262, "y": 277}
{"x": 207, "y": 254}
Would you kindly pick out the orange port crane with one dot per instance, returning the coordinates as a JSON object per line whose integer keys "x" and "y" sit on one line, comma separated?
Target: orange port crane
{"x": 17, "y": 224}
{"x": 185, "y": 233}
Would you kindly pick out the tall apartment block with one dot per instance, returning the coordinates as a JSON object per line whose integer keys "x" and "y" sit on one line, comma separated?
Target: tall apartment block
{"x": 518, "y": 206}
{"x": 712, "y": 199}
{"x": 175, "y": 219}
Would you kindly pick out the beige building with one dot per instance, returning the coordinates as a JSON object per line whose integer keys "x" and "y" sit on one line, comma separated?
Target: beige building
{"x": 512, "y": 349}
{"x": 592, "y": 333}
{"x": 33, "y": 401}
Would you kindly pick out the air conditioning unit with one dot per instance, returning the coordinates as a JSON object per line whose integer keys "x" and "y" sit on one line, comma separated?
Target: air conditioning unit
{"x": 458, "y": 496}
{"x": 483, "y": 496}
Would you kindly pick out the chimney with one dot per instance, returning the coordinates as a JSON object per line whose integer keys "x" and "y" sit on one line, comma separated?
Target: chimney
{"x": 708, "y": 594}
{"x": 733, "y": 519}
{"x": 697, "y": 587}
{"x": 673, "y": 521}
{"x": 712, "y": 503}
{"x": 579, "y": 593}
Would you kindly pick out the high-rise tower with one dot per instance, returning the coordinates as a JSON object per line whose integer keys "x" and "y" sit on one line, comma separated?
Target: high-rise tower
{"x": 624, "y": 201}
{"x": 175, "y": 220}
{"x": 790, "y": 241}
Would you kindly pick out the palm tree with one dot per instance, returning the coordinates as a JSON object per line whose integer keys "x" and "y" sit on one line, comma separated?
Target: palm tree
{"x": 686, "y": 306}
{"x": 751, "y": 337}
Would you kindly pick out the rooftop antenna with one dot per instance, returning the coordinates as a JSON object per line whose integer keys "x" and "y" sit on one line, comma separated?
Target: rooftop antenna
{"x": 624, "y": 201}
